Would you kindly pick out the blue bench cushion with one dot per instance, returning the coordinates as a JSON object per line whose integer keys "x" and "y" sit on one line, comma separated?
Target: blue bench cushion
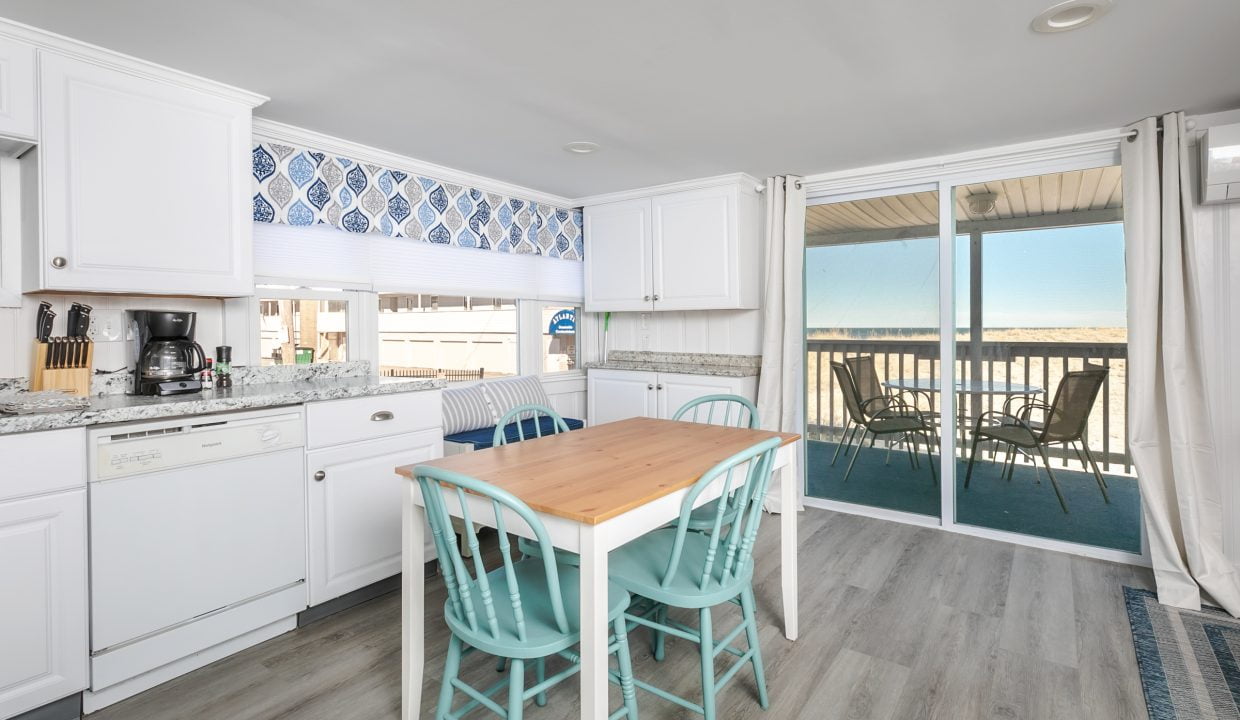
{"x": 482, "y": 437}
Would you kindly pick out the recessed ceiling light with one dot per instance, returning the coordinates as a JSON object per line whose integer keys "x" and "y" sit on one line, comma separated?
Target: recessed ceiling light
{"x": 1070, "y": 15}
{"x": 582, "y": 147}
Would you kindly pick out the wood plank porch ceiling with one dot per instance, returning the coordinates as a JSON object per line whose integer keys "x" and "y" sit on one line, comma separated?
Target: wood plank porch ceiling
{"x": 1052, "y": 200}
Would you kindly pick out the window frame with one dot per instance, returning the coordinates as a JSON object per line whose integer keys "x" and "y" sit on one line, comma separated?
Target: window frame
{"x": 354, "y": 343}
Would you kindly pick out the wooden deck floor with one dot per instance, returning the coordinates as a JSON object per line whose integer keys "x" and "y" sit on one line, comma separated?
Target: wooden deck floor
{"x": 897, "y": 622}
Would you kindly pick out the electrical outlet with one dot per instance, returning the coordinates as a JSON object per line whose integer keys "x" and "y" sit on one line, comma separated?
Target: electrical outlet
{"x": 107, "y": 325}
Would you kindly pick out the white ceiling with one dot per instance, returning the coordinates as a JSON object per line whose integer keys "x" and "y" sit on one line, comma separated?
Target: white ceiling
{"x": 675, "y": 90}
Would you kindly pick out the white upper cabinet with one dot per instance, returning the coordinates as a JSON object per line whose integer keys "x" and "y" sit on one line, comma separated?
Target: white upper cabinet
{"x": 18, "y": 109}
{"x": 695, "y": 249}
{"x": 618, "y": 262}
{"x": 144, "y": 185}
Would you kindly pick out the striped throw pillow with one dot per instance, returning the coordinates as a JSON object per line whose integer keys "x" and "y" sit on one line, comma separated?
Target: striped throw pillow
{"x": 508, "y": 393}
{"x": 465, "y": 408}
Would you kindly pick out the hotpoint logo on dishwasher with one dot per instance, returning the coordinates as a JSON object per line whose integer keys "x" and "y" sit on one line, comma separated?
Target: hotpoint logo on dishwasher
{"x": 217, "y": 443}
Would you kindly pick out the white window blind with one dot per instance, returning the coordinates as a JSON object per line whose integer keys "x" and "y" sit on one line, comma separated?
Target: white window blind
{"x": 322, "y": 255}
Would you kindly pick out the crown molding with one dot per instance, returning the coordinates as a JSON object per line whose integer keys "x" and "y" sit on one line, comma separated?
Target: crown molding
{"x": 752, "y": 183}
{"x": 272, "y": 130}
{"x": 62, "y": 45}
{"x": 1087, "y": 146}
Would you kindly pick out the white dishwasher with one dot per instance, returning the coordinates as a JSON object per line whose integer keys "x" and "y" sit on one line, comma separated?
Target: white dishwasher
{"x": 197, "y": 543}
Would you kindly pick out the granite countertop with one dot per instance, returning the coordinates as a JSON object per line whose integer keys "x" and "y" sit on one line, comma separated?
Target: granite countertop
{"x": 133, "y": 408}
{"x": 716, "y": 364}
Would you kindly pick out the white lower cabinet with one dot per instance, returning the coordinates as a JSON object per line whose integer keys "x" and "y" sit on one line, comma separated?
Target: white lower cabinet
{"x": 42, "y": 599}
{"x": 355, "y": 502}
{"x": 620, "y": 394}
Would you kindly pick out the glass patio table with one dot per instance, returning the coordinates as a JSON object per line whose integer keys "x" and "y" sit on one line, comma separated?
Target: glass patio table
{"x": 1005, "y": 388}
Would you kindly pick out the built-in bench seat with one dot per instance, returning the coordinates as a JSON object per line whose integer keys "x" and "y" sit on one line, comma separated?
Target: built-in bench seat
{"x": 483, "y": 438}
{"x": 470, "y": 413}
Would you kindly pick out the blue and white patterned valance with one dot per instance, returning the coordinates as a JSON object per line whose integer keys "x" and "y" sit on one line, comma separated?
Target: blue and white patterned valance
{"x": 296, "y": 186}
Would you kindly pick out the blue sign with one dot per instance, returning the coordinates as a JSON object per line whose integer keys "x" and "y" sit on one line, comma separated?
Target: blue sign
{"x": 563, "y": 323}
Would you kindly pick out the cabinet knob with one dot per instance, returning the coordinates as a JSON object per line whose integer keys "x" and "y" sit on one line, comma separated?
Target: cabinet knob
{"x": 320, "y": 476}
{"x": 645, "y": 298}
{"x": 656, "y": 297}
{"x": 650, "y": 386}
{"x": 59, "y": 262}
{"x": 659, "y": 387}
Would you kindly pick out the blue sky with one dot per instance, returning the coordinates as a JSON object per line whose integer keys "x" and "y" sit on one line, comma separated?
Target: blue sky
{"x": 1063, "y": 277}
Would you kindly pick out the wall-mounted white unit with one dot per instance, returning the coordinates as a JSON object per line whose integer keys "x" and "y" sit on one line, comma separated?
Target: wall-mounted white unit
{"x": 696, "y": 247}
{"x": 1220, "y": 164}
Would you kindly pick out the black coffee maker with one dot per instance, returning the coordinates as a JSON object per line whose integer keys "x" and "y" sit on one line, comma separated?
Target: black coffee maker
{"x": 165, "y": 358}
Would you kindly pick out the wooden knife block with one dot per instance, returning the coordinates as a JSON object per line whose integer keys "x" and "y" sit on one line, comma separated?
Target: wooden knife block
{"x": 75, "y": 380}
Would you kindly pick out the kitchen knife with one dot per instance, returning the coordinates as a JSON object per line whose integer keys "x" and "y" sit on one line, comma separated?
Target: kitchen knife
{"x": 39, "y": 333}
{"x": 82, "y": 328}
{"x": 45, "y": 330}
{"x": 71, "y": 319}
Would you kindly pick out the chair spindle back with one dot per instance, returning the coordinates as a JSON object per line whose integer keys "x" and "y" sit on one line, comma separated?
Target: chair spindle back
{"x": 727, "y": 554}
{"x": 730, "y": 410}
{"x": 442, "y": 488}
{"x": 516, "y": 417}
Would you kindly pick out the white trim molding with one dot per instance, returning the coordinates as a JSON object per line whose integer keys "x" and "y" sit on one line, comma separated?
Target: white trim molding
{"x": 683, "y": 185}
{"x": 63, "y": 45}
{"x": 278, "y": 132}
{"x": 1092, "y": 148}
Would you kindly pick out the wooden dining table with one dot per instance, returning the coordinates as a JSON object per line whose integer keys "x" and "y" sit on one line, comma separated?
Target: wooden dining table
{"x": 594, "y": 489}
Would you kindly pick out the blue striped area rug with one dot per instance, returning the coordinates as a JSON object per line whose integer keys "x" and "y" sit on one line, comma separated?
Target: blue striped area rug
{"x": 1188, "y": 659}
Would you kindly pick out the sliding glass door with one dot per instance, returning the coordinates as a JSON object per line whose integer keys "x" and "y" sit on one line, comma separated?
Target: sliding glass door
{"x": 872, "y": 335}
{"x": 1042, "y": 359}
{"x": 1028, "y": 390}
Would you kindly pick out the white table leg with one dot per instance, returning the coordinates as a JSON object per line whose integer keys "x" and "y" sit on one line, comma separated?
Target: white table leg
{"x": 412, "y": 603}
{"x": 594, "y": 661}
{"x": 789, "y": 481}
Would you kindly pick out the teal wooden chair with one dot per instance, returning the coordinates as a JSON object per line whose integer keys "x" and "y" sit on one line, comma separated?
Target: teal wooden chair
{"x": 698, "y": 570}
{"x": 730, "y": 410}
{"x": 525, "y": 611}
{"x": 515, "y": 426}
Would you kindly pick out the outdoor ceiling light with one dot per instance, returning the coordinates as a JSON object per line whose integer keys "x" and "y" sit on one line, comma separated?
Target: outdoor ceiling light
{"x": 981, "y": 203}
{"x": 582, "y": 147}
{"x": 1070, "y": 15}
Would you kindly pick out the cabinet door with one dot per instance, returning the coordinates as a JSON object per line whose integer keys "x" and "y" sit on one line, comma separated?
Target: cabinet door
{"x": 618, "y": 256}
{"x": 42, "y": 600}
{"x": 355, "y": 510}
{"x": 695, "y": 250}
{"x": 620, "y": 394}
{"x": 145, "y": 185}
{"x": 17, "y": 95}
{"x": 676, "y": 390}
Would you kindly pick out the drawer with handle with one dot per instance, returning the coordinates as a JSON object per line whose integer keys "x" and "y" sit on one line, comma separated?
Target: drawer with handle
{"x": 334, "y": 422}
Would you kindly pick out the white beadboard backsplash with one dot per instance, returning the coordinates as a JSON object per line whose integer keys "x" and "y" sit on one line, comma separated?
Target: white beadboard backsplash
{"x": 17, "y": 326}
{"x": 733, "y": 332}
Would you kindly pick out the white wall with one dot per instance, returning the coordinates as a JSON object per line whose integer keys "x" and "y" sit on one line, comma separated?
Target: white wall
{"x": 17, "y": 326}
{"x": 1217, "y": 229}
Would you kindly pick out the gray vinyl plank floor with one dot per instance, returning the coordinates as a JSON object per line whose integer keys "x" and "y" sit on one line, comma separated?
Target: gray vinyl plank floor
{"x": 897, "y": 621}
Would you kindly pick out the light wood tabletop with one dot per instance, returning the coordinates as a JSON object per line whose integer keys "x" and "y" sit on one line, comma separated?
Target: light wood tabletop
{"x": 597, "y": 473}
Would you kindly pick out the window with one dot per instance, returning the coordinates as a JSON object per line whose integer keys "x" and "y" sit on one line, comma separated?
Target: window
{"x": 302, "y": 330}
{"x": 454, "y": 337}
{"x": 558, "y": 349}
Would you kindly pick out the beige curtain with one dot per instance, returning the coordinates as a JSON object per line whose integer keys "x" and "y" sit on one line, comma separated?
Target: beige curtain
{"x": 1171, "y": 428}
{"x": 781, "y": 391}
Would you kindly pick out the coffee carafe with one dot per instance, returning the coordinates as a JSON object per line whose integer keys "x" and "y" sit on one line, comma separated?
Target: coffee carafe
{"x": 165, "y": 358}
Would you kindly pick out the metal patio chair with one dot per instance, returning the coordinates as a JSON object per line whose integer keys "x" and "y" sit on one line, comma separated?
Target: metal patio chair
{"x": 895, "y": 418}
{"x": 1064, "y": 422}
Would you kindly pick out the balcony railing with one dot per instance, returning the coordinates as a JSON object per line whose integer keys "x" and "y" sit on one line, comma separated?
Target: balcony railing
{"x": 1040, "y": 364}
